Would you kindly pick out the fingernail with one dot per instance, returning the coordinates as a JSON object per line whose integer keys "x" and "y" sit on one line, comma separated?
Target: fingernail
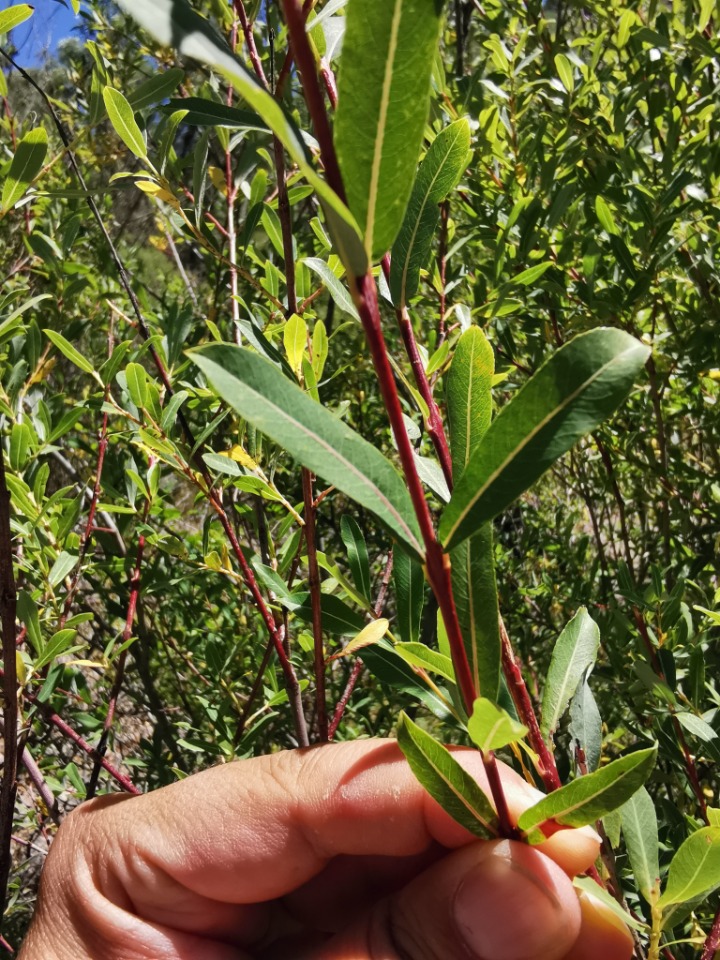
{"x": 505, "y": 910}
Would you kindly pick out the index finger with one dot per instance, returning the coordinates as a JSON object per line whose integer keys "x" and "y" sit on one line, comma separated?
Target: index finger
{"x": 255, "y": 830}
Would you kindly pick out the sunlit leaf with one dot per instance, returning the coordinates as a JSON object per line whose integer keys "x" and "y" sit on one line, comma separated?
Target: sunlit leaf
{"x": 123, "y": 121}
{"x": 492, "y": 728}
{"x": 570, "y": 395}
{"x": 258, "y": 391}
{"x": 695, "y": 868}
{"x": 26, "y": 165}
{"x": 589, "y": 798}
{"x": 384, "y": 99}
{"x": 640, "y": 830}
{"x": 439, "y": 172}
{"x": 445, "y": 780}
{"x": 469, "y": 404}
{"x": 575, "y": 650}
{"x": 14, "y": 16}
{"x": 418, "y": 655}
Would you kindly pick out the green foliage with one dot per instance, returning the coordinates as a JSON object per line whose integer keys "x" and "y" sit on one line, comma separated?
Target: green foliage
{"x": 553, "y": 322}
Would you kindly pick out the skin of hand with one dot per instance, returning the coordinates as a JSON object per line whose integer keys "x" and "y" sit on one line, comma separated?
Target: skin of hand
{"x": 330, "y": 853}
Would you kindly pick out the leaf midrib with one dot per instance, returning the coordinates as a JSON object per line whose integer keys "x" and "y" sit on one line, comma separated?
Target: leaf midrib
{"x": 531, "y": 436}
{"x": 411, "y": 244}
{"x": 381, "y": 125}
{"x": 366, "y": 482}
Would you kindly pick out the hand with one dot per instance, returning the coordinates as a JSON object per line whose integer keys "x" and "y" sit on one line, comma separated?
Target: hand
{"x": 331, "y": 853}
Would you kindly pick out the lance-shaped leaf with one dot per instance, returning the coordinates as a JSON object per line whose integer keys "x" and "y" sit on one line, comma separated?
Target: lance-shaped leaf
{"x": 14, "y": 16}
{"x": 123, "y": 120}
{"x": 156, "y": 88}
{"x": 569, "y": 396}
{"x": 469, "y": 405}
{"x": 445, "y": 780}
{"x": 384, "y": 97}
{"x": 586, "y": 723}
{"x": 418, "y": 655}
{"x": 369, "y": 635}
{"x": 439, "y": 173}
{"x": 695, "y": 868}
{"x": 575, "y": 650}
{"x": 260, "y": 393}
{"x": 589, "y": 798}
{"x": 384, "y": 662}
{"x": 335, "y": 287}
{"x": 352, "y": 537}
{"x": 337, "y": 617}
{"x": 409, "y": 583}
{"x": 492, "y": 728}
{"x": 174, "y": 23}
{"x": 26, "y": 165}
{"x": 640, "y": 829}
{"x": 208, "y": 113}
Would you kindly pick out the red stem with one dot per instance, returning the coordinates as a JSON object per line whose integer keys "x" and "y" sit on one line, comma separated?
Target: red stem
{"x": 435, "y": 426}
{"x": 295, "y": 19}
{"x": 712, "y": 942}
{"x": 523, "y": 703}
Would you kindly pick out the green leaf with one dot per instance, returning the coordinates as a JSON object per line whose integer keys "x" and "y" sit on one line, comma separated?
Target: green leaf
{"x": 295, "y": 338}
{"x": 418, "y": 655}
{"x": 388, "y": 666}
{"x": 528, "y": 277}
{"x": 64, "y": 564}
{"x": 21, "y": 441}
{"x": 200, "y": 112}
{"x": 337, "y": 291}
{"x": 696, "y": 726}
{"x": 383, "y": 101}
{"x": 409, "y": 583}
{"x": 589, "y": 886}
{"x": 156, "y": 88}
{"x": 136, "y": 379}
{"x": 123, "y": 120}
{"x": 312, "y": 435}
{"x": 352, "y": 537}
{"x": 175, "y": 23}
{"x": 585, "y": 723}
{"x": 445, "y": 780}
{"x": 14, "y": 16}
{"x": 371, "y": 633}
{"x": 640, "y": 829}
{"x": 469, "y": 405}
{"x": 565, "y": 72}
{"x": 337, "y": 617}
{"x": 695, "y": 868}
{"x": 59, "y": 643}
{"x": 604, "y": 215}
{"x": 69, "y": 351}
{"x": 26, "y": 165}
{"x": 589, "y": 798}
{"x": 439, "y": 173}
{"x": 320, "y": 349}
{"x": 575, "y": 650}
{"x": 570, "y": 395}
{"x": 492, "y": 728}
{"x": 27, "y": 612}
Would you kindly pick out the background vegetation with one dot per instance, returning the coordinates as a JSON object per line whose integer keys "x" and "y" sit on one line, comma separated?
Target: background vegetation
{"x": 590, "y": 199}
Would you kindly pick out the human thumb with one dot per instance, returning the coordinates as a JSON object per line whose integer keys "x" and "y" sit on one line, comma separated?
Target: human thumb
{"x": 499, "y": 900}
